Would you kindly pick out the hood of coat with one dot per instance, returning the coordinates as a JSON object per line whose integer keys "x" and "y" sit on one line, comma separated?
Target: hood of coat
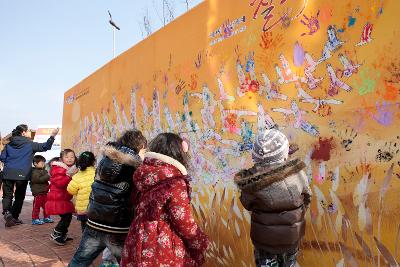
{"x": 260, "y": 176}
{"x": 157, "y": 168}
{"x": 60, "y": 164}
{"x": 122, "y": 155}
{"x": 19, "y": 141}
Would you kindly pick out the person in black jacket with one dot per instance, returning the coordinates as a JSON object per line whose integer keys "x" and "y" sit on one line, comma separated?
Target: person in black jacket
{"x": 110, "y": 210}
{"x": 17, "y": 157}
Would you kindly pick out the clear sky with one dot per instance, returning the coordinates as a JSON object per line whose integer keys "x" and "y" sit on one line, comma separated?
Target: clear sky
{"x": 47, "y": 48}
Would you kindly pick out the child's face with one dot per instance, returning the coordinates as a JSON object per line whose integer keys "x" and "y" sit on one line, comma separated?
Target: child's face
{"x": 40, "y": 165}
{"x": 142, "y": 152}
{"x": 69, "y": 159}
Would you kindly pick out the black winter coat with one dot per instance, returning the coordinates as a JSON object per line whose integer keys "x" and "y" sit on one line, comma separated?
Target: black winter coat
{"x": 110, "y": 207}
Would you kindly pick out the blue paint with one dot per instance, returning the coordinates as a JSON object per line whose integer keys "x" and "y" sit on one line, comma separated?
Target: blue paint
{"x": 245, "y": 147}
{"x": 380, "y": 11}
{"x": 352, "y": 21}
{"x": 341, "y": 30}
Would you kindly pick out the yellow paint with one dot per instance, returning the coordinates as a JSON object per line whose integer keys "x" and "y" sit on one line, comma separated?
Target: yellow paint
{"x": 180, "y": 61}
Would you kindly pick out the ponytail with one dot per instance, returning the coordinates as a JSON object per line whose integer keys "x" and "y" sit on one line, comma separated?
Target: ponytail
{"x": 19, "y": 130}
{"x": 86, "y": 159}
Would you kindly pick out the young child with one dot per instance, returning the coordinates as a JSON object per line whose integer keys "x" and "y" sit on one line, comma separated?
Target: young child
{"x": 81, "y": 185}
{"x": 110, "y": 210}
{"x": 163, "y": 232}
{"x": 277, "y": 193}
{"x": 58, "y": 199}
{"x": 39, "y": 187}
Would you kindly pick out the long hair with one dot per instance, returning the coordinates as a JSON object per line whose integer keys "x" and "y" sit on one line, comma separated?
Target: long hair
{"x": 170, "y": 144}
{"x": 85, "y": 160}
{"x": 19, "y": 130}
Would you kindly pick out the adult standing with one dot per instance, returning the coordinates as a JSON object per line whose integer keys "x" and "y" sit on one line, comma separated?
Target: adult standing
{"x": 17, "y": 157}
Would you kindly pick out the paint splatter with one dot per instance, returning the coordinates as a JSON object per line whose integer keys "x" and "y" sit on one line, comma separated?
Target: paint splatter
{"x": 326, "y": 14}
{"x": 323, "y": 149}
{"x": 390, "y": 92}
{"x": 298, "y": 54}
{"x": 352, "y": 21}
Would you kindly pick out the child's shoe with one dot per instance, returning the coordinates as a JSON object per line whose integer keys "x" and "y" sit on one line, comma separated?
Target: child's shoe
{"x": 18, "y": 221}
{"x": 9, "y": 219}
{"x": 66, "y": 238}
{"x": 58, "y": 238}
{"x": 37, "y": 222}
{"x": 48, "y": 220}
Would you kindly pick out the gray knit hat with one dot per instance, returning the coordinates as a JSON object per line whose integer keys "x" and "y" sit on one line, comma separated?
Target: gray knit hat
{"x": 271, "y": 146}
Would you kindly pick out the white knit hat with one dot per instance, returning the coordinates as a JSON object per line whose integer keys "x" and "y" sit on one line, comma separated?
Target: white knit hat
{"x": 271, "y": 146}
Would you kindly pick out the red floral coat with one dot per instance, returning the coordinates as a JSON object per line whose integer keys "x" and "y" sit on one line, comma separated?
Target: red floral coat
{"x": 58, "y": 199}
{"x": 163, "y": 232}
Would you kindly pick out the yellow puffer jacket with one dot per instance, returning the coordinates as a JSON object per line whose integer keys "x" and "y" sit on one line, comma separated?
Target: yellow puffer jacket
{"x": 80, "y": 187}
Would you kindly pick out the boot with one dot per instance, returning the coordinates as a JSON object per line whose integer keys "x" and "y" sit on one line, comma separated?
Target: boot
{"x": 9, "y": 219}
{"x": 58, "y": 237}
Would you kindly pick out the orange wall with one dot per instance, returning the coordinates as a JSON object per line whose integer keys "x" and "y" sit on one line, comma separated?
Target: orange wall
{"x": 337, "y": 97}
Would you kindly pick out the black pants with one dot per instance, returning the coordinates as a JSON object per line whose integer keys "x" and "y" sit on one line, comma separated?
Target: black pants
{"x": 8, "y": 192}
{"x": 64, "y": 223}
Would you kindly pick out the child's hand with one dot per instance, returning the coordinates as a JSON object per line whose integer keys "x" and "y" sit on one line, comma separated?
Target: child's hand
{"x": 72, "y": 171}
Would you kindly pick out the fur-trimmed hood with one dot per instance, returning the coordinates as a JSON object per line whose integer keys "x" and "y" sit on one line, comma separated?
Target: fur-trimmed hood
{"x": 168, "y": 160}
{"x": 260, "y": 176}
{"x": 122, "y": 155}
{"x": 117, "y": 165}
{"x": 60, "y": 164}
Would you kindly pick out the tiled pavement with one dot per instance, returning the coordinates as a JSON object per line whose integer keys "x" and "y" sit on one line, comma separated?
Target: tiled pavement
{"x": 30, "y": 245}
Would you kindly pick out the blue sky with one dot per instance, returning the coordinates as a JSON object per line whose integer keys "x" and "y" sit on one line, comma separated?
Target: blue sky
{"x": 47, "y": 48}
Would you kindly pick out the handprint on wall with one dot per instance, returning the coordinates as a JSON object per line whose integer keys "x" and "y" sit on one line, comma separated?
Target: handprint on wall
{"x": 384, "y": 114}
{"x": 311, "y": 23}
{"x": 332, "y": 44}
{"x": 366, "y": 84}
{"x": 336, "y": 83}
{"x": 366, "y": 34}
{"x": 349, "y": 66}
{"x": 387, "y": 152}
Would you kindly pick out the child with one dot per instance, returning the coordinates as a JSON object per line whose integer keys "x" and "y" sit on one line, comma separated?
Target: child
{"x": 110, "y": 209}
{"x": 58, "y": 199}
{"x": 39, "y": 187}
{"x": 81, "y": 185}
{"x": 277, "y": 193}
{"x": 163, "y": 232}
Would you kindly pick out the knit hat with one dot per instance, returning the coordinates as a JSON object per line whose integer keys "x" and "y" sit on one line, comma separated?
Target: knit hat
{"x": 271, "y": 146}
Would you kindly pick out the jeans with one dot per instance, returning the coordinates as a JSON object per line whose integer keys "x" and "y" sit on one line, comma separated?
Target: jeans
{"x": 265, "y": 259}
{"x": 93, "y": 242}
{"x": 39, "y": 201}
{"x": 64, "y": 223}
{"x": 8, "y": 192}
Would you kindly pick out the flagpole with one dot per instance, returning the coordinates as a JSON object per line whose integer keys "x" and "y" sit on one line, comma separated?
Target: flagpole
{"x": 113, "y": 42}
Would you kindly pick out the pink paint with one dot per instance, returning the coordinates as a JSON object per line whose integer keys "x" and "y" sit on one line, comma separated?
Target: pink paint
{"x": 298, "y": 54}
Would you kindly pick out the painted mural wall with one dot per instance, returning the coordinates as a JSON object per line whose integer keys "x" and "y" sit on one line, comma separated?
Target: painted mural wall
{"x": 326, "y": 72}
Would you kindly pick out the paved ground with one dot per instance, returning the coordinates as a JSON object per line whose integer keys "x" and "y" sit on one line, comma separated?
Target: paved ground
{"x": 30, "y": 245}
